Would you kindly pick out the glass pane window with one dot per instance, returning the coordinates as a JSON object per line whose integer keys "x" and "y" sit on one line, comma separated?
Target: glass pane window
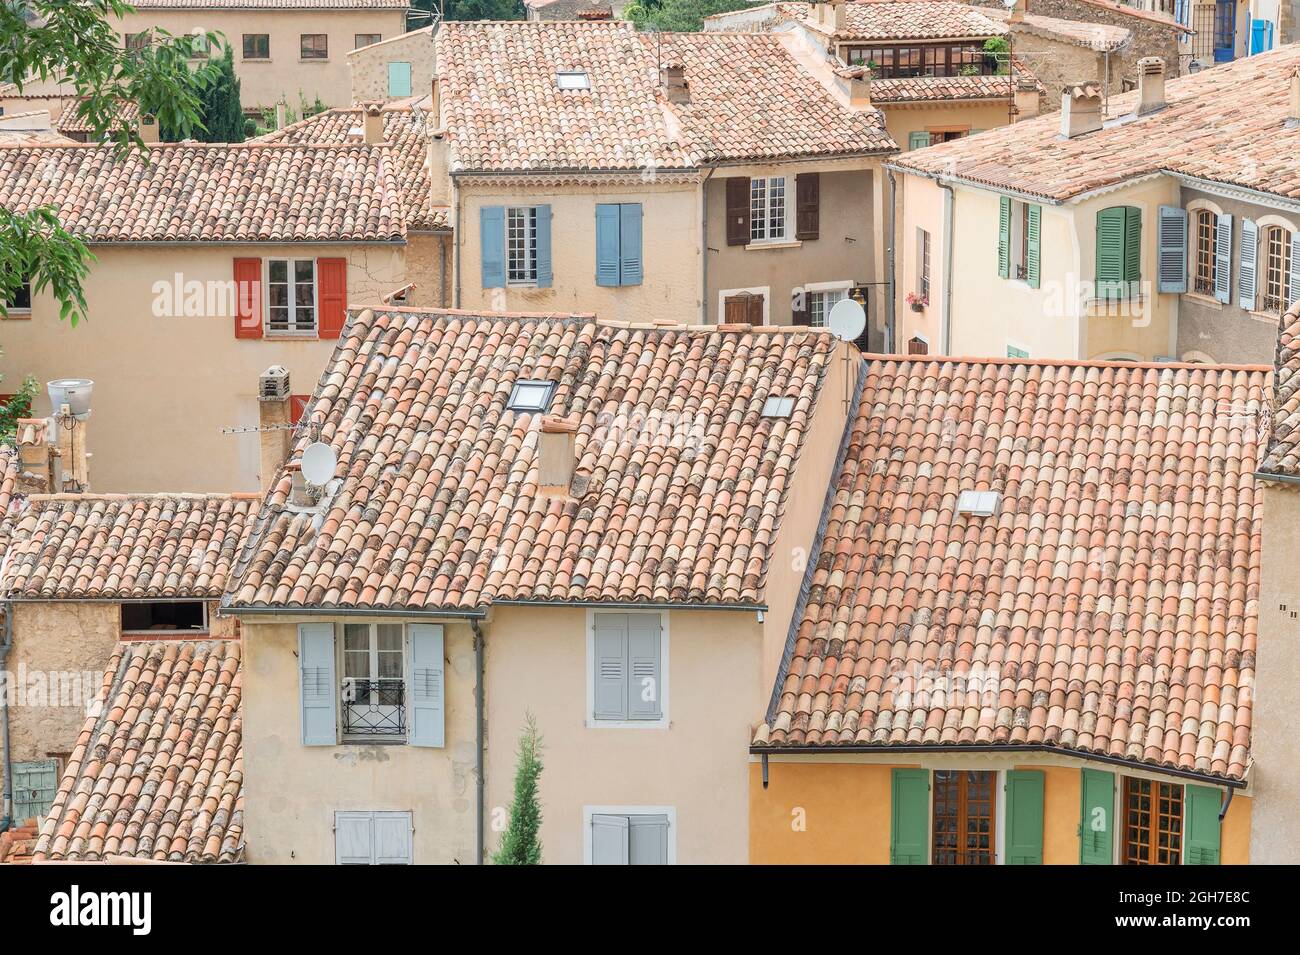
{"x": 521, "y": 245}
{"x": 821, "y": 303}
{"x": 1277, "y": 269}
{"x": 257, "y": 46}
{"x": 767, "y": 209}
{"x": 373, "y": 688}
{"x": 314, "y": 46}
{"x": 1205, "y": 250}
{"x": 291, "y": 296}
{"x": 1153, "y": 822}
{"x": 366, "y": 39}
{"x": 963, "y": 830}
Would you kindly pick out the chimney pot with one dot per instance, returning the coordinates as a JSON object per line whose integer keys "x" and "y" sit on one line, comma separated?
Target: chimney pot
{"x": 556, "y": 455}
{"x": 280, "y": 114}
{"x": 273, "y": 417}
{"x": 1151, "y": 84}
{"x": 1080, "y": 109}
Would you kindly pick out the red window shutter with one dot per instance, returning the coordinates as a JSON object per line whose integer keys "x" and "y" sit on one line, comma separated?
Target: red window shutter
{"x": 297, "y": 407}
{"x": 807, "y": 205}
{"x": 248, "y": 298}
{"x": 738, "y": 210}
{"x": 332, "y": 287}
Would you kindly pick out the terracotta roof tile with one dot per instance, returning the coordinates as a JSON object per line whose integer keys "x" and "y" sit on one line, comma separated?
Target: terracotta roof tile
{"x": 116, "y": 546}
{"x": 69, "y": 121}
{"x": 679, "y": 481}
{"x": 934, "y": 88}
{"x": 1102, "y": 37}
{"x": 903, "y": 20}
{"x": 158, "y": 769}
{"x": 8, "y": 478}
{"x": 1110, "y": 605}
{"x": 1283, "y": 455}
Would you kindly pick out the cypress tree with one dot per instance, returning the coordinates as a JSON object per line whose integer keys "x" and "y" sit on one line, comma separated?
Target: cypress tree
{"x": 522, "y": 844}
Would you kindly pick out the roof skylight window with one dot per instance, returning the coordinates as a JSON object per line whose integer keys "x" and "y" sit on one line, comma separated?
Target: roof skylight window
{"x": 573, "y": 80}
{"x": 778, "y": 406}
{"x": 978, "y": 503}
{"x": 531, "y": 395}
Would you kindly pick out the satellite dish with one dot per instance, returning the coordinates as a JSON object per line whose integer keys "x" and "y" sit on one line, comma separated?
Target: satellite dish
{"x": 318, "y": 463}
{"x": 847, "y": 320}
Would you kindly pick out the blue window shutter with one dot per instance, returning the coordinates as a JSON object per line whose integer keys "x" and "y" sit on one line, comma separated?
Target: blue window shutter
{"x": 399, "y": 80}
{"x": 35, "y": 784}
{"x": 1200, "y": 825}
{"x": 609, "y": 840}
{"x": 1171, "y": 239}
{"x": 492, "y": 243}
{"x": 428, "y": 685}
{"x": 1293, "y": 281}
{"x": 354, "y": 842}
{"x": 318, "y": 690}
{"x": 607, "y": 253}
{"x": 630, "y": 243}
{"x": 609, "y": 668}
{"x": 644, "y": 689}
{"x": 1096, "y": 825}
{"x": 1246, "y": 270}
{"x": 1223, "y": 259}
{"x": 647, "y": 840}
{"x": 918, "y": 140}
{"x": 1024, "y": 839}
{"x": 543, "y": 246}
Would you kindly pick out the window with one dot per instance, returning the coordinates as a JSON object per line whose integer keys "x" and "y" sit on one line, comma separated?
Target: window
{"x": 137, "y": 41}
{"x": 365, "y": 39}
{"x": 291, "y": 296}
{"x": 1276, "y": 248}
{"x": 374, "y": 684}
{"x": 1119, "y": 253}
{"x": 744, "y": 308}
{"x": 168, "y": 616}
{"x": 630, "y": 837}
{"x": 257, "y": 46}
{"x": 20, "y": 300}
{"x": 521, "y": 245}
{"x": 935, "y": 59}
{"x": 572, "y": 80}
{"x": 618, "y": 243}
{"x": 515, "y": 246}
{"x": 1018, "y": 240}
{"x": 627, "y": 669}
{"x": 978, "y": 503}
{"x": 821, "y": 303}
{"x": 1015, "y": 351}
{"x": 963, "y": 828}
{"x": 923, "y": 264}
{"x": 767, "y": 209}
{"x": 1204, "y": 252}
{"x": 373, "y": 838}
{"x": 531, "y": 395}
{"x": 1153, "y": 822}
{"x": 778, "y": 406}
{"x": 314, "y": 46}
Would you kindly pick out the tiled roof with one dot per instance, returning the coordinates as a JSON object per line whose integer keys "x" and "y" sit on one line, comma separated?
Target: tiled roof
{"x": 128, "y": 113}
{"x": 750, "y": 99}
{"x": 158, "y": 769}
{"x": 1093, "y": 36}
{"x": 1283, "y": 456}
{"x": 903, "y": 20}
{"x": 1109, "y": 607}
{"x": 117, "y": 546}
{"x": 405, "y": 139}
{"x": 1226, "y": 124}
{"x": 206, "y": 193}
{"x": 271, "y": 4}
{"x": 921, "y": 89}
{"x": 678, "y": 488}
{"x": 8, "y": 477}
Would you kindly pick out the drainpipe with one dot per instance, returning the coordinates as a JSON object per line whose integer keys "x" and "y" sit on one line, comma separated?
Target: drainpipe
{"x": 890, "y": 264}
{"x": 945, "y": 327}
{"x": 704, "y": 248}
{"x": 456, "y": 236}
{"x": 6, "y": 644}
{"x": 480, "y": 734}
{"x": 1227, "y": 801}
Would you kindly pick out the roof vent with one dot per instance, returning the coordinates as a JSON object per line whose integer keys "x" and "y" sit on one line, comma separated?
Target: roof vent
{"x": 978, "y": 503}
{"x": 273, "y": 384}
{"x": 1151, "y": 84}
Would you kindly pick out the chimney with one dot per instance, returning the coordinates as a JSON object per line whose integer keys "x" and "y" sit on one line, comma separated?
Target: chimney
{"x": 439, "y": 173}
{"x": 1293, "y": 112}
{"x": 435, "y": 103}
{"x": 1080, "y": 109}
{"x": 273, "y": 418}
{"x": 1018, "y": 11}
{"x": 280, "y": 111}
{"x": 555, "y": 455}
{"x": 672, "y": 76}
{"x": 35, "y": 456}
{"x": 859, "y": 83}
{"x": 70, "y": 399}
{"x": 149, "y": 128}
{"x": 839, "y": 15}
{"x": 1151, "y": 84}
{"x": 374, "y": 124}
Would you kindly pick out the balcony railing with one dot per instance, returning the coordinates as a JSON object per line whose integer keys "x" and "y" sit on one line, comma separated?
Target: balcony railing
{"x": 374, "y": 707}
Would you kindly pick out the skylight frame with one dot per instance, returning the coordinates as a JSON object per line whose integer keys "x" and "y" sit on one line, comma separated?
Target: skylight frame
{"x": 517, "y": 402}
{"x": 573, "y": 80}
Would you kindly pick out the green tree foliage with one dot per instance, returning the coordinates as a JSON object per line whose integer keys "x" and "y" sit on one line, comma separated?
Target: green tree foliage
{"x": 678, "y": 16}
{"x": 522, "y": 844}
{"x": 223, "y": 116}
{"x": 474, "y": 9}
{"x": 19, "y": 406}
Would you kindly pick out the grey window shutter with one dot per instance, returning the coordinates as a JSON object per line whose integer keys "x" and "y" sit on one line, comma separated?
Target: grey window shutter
{"x": 492, "y": 246}
{"x": 317, "y": 688}
{"x": 428, "y": 685}
{"x": 353, "y": 838}
{"x": 644, "y": 690}
{"x": 1293, "y": 280}
{"x": 543, "y": 246}
{"x": 610, "y": 666}
{"x": 392, "y": 838}
{"x": 36, "y": 783}
{"x": 1223, "y": 259}
{"x": 1246, "y": 272}
{"x": 1171, "y": 239}
{"x": 647, "y": 840}
{"x": 918, "y": 139}
{"x": 609, "y": 840}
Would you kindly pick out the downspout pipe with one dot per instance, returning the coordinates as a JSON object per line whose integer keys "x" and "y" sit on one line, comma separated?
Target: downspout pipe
{"x": 890, "y": 265}
{"x": 949, "y": 213}
{"x": 480, "y": 732}
{"x": 1227, "y": 802}
{"x": 6, "y": 644}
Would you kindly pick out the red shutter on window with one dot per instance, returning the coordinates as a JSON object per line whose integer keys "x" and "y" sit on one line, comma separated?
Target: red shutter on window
{"x": 248, "y": 298}
{"x": 807, "y": 205}
{"x": 332, "y": 287}
{"x": 297, "y": 407}
{"x": 738, "y": 210}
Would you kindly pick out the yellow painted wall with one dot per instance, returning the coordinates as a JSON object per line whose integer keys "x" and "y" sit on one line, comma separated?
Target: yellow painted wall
{"x": 1061, "y": 805}
{"x": 903, "y": 120}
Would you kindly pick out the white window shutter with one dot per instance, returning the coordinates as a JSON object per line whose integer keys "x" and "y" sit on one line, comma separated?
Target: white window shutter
{"x": 427, "y": 710}
{"x": 353, "y": 838}
{"x": 1249, "y": 255}
{"x": 609, "y": 668}
{"x": 1223, "y": 259}
{"x": 392, "y": 838}
{"x": 317, "y": 688}
{"x": 648, "y": 840}
{"x": 609, "y": 840}
{"x": 644, "y": 691}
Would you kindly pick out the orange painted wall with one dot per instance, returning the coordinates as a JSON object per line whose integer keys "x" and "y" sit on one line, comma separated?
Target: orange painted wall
{"x": 1234, "y": 837}
{"x": 1061, "y": 798}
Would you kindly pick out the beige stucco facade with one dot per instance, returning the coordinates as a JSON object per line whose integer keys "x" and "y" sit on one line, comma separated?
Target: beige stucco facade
{"x": 369, "y": 66}
{"x": 904, "y": 119}
{"x": 169, "y": 372}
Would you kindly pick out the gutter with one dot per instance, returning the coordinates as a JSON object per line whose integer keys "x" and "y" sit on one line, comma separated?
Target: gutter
{"x": 6, "y": 644}
{"x": 351, "y": 612}
{"x": 704, "y": 249}
{"x": 628, "y": 605}
{"x": 480, "y": 741}
{"x": 945, "y": 321}
{"x": 939, "y": 178}
{"x": 457, "y": 234}
{"x": 1279, "y": 478}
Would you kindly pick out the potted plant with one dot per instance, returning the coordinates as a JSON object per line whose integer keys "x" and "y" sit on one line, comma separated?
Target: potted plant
{"x": 917, "y": 301}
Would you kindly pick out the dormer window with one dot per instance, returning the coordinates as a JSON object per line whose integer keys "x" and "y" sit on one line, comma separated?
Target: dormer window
{"x": 573, "y": 80}
{"x": 531, "y": 395}
{"x": 778, "y": 406}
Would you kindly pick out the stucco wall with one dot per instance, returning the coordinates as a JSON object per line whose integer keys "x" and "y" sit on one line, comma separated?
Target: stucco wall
{"x": 292, "y": 791}
{"x": 537, "y": 661}
{"x": 369, "y": 65}
{"x": 428, "y": 263}
{"x": 166, "y": 386}
{"x": 670, "y": 288}
{"x": 1057, "y": 64}
{"x": 902, "y": 120}
{"x": 263, "y": 82}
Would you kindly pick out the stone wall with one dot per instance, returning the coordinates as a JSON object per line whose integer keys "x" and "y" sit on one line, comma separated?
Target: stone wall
{"x": 369, "y": 65}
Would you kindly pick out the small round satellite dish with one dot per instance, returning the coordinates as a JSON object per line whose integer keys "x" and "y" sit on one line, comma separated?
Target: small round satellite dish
{"x": 318, "y": 463}
{"x": 847, "y": 320}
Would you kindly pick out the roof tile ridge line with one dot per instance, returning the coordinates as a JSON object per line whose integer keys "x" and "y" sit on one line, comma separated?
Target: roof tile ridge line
{"x": 137, "y": 495}
{"x": 273, "y": 137}
{"x": 805, "y": 586}
{"x": 1062, "y": 362}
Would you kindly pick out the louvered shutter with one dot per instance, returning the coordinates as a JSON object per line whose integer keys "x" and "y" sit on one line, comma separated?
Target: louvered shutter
{"x": 248, "y": 298}
{"x": 399, "y": 80}
{"x": 918, "y": 139}
{"x": 801, "y": 307}
{"x": 428, "y": 685}
{"x": 645, "y": 688}
{"x": 1132, "y": 250}
{"x": 1247, "y": 270}
{"x": 1223, "y": 259}
{"x": 1024, "y": 839}
{"x": 629, "y": 243}
{"x": 610, "y": 666}
{"x": 607, "y": 253}
{"x": 1110, "y": 252}
{"x": 492, "y": 245}
{"x": 609, "y": 840}
{"x": 1200, "y": 825}
{"x": 35, "y": 784}
{"x": 1033, "y": 224}
{"x": 1004, "y": 238}
{"x": 317, "y": 686}
{"x": 353, "y": 838}
{"x": 332, "y": 286}
{"x": 738, "y": 210}
{"x": 909, "y": 833}
{"x": 647, "y": 840}
{"x": 1293, "y": 279}
{"x": 1171, "y": 240}
{"x": 543, "y": 246}
{"x": 1096, "y": 824}
{"x": 807, "y": 188}
{"x": 391, "y": 834}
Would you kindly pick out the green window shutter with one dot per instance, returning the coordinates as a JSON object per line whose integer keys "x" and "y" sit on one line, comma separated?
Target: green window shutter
{"x": 909, "y": 833}
{"x": 1110, "y": 252}
{"x": 36, "y": 782}
{"x": 1024, "y": 841}
{"x": 1132, "y": 250}
{"x": 1096, "y": 822}
{"x": 1033, "y": 271}
{"x": 1200, "y": 825}
{"x": 1004, "y": 237}
{"x": 1246, "y": 269}
{"x": 399, "y": 80}
{"x": 1171, "y": 239}
{"x": 918, "y": 140}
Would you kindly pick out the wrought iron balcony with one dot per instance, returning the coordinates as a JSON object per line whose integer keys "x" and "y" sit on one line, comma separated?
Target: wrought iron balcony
{"x": 374, "y": 707}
